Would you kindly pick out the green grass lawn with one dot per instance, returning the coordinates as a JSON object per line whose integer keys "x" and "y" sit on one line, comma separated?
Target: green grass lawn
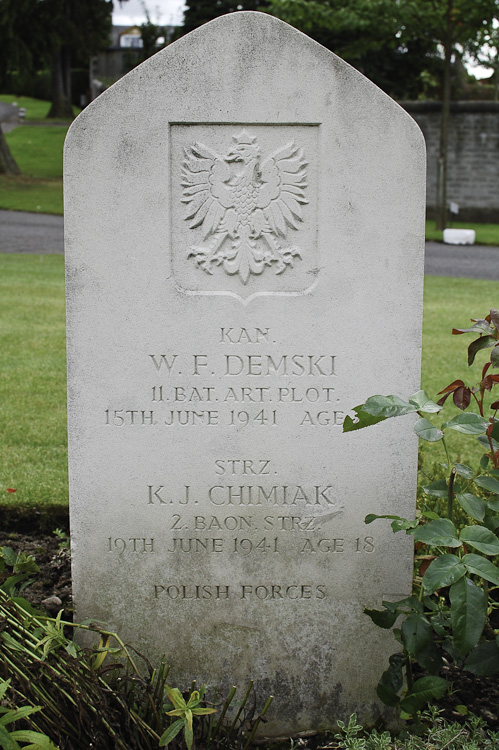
{"x": 450, "y": 303}
{"x": 38, "y": 152}
{"x": 33, "y": 452}
{"x": 33, "y": 373}
{"x": 36, "y": 109}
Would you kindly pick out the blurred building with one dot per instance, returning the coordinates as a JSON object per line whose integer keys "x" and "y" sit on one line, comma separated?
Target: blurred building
{"x": 125, "y": 51}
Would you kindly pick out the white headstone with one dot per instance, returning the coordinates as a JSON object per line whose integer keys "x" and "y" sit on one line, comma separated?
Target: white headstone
{"x": 244, "y": 220}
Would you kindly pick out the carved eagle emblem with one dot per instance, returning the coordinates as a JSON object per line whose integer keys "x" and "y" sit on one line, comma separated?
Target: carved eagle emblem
{"x": 244, "y": 205}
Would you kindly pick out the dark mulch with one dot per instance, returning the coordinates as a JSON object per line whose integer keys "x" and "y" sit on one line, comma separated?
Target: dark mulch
{"x": 33, "y": 535}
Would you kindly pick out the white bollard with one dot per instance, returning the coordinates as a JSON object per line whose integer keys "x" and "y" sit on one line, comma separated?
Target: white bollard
{"x": 459, "y": 236}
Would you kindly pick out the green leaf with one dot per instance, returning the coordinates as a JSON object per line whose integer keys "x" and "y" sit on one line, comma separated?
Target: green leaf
{"x": 468, "y": 613}
{"x": 403, "y": 524}
{"x": 424, "y": 403}
{"x": 398, "y": 523}
{"x": 416, "y": 633}
{"x": 424, "y": 690}
{"x": 493, "y": 504}
{"x": 404, "y": 605}
{"x": 437, "y": 489}
{"x": 6, "y": 742}
{"x": 441, "y": 533}
{"x": 194, "y": 699}
{"x": 373, "y": 517}
{"x": 484, "y": 659}
{"x": 464, "y": 471}
{"x": 488, "y": 483}
{"x": 426, "y": 431}
{"x": 18, "y": 713}
{"x": 495, "y": 431}
{"x": 4, "y": 686}
{"x": 171, "y": 732}
{"x": 481, "y": 539}
{"x": 482, "y": 567}
{"x": 479, "y": 326}
{"x": 9, "y": 556}
{"x": 484, "y": 342}
{"x": 11, "y": 582}
{"x": 361, "y": 419}
{"x": 175, "y": 696}
{"x": 188, "y": 732}
{"x": 472, "y": 505}
{"x": 468, "y": 423}
{"x": 387, "y": 695}
{"x": 443, "y": 571}
{"x": 201, "y": 711}
{"x": 382, "y": 618}
{"x": 391, "y": 681}
{"x": 37, "y": 739}
{"x": 388, "y": 406}
{"x": 484, "y": 440}
{"x": 491, "y": 522}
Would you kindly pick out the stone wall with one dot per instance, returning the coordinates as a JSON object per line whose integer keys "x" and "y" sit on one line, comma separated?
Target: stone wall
{"x": 473, "y": 166}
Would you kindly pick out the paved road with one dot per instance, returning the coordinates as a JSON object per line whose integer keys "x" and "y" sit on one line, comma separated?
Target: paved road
{"x": 470, "y": 262}
{"x": 22, "y": 232}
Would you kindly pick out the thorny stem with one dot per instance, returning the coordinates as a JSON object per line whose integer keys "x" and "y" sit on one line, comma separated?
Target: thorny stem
{"x": 495, "y": 460}
{"x": 489, "y": 437}
{"x": 408, "y": 672}
{"x": 446, "y": 451}
{"x": 479, "y": 401}
{"x": 450, "y": 493}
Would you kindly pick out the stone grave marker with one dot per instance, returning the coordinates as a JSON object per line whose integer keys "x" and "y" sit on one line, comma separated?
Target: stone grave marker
{"x": 244, "y": 218}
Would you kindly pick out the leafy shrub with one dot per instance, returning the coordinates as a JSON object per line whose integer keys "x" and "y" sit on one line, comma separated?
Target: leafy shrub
{"x": 450, "y": 615}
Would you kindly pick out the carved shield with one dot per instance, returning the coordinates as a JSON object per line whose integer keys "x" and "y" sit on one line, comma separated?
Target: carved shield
{"x": 243, "y": 206}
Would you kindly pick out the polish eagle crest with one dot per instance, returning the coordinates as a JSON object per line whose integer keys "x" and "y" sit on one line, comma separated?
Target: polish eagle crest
{"x": 244, "y": 206}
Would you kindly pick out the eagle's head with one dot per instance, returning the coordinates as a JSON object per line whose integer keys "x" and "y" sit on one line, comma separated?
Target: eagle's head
{"x": 245, "y": 148}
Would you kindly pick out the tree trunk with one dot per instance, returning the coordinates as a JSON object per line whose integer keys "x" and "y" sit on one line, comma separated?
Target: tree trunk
{"x": 7, "y": 162}
{"x": 61, "y": 85}
{"x": 441, "y": 205}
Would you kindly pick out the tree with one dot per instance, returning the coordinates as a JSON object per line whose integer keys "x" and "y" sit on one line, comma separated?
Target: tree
{"x": 198, "y": 12}
{"x": 398, "y": 27}
{"x": 8, "y": 164}
{"x": 369, "y": 35}
{"x": 52, "y": 33}
{"x": 151, "y": 33}
{"x": 79, "y": 29}
{"x": 488, "y": 55}
{"x": 458, "y": 26}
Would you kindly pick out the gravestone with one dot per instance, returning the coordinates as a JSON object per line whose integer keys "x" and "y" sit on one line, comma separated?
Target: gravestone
{"x": 244, "y": 218}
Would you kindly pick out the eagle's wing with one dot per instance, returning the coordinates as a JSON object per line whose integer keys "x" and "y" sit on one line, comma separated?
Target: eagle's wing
{"x": 204, "y": 177}
{"x": 282, "y": 194}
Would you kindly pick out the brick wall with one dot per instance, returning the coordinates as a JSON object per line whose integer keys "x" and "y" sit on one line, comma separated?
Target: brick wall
{"x": 473, "y": 157}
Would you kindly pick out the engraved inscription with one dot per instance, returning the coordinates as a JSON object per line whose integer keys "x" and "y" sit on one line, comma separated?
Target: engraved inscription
{"x": 244, "y": 591}
{"x": 244, "y": 205}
